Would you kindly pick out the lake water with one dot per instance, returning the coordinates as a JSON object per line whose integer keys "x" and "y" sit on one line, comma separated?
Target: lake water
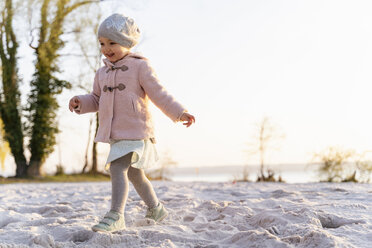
{"x": 289, "y": 177}
{"x": 231, "y": 173}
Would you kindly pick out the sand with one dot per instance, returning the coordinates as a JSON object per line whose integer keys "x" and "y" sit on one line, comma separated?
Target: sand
{"x": 202, "y": 214}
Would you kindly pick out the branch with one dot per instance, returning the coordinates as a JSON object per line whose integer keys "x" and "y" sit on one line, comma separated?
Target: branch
{"x": 2, "y": 52}
{"x": 11, "y": 33}
{"x": 82, "y": 87}
{"x": 44, "y": 21}
{"x": 77, "y": 55}
{"x": 72, "y": 31}
{"x": 32, "y": 39}
{"x": 8, "y": 21}
{"x": 76, "y": 5}
{"x": 86, "y": 56}
{"x": 35, "y": 48}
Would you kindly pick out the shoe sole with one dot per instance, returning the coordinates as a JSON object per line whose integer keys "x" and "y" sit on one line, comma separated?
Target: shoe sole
{"x": 98, "y": 230}
{"x": 106, "y": 231}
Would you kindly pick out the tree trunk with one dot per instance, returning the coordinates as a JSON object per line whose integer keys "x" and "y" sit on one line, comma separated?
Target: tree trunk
{"x": 262, "y": 146}
{"x": 94, "y": 153}
{"x": 36, "y": 169}
{"x": 262, "y": 163}
{"x": 87, "y": 149}
{"x": 21, "y": 166}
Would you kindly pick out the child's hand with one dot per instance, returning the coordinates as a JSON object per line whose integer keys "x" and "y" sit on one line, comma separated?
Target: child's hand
{"x": 74, "y": 103}
{"x": 190, "y": 119}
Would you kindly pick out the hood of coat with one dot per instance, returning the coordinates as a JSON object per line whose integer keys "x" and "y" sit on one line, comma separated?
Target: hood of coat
{"x": 122, "y": 61}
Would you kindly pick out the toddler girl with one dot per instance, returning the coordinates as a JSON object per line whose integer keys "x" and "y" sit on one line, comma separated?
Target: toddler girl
{"x": 121, "y": 92}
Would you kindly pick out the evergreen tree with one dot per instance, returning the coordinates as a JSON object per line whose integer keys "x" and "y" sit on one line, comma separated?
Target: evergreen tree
{"x": 45, "y": 86}
{"x": 10, "y": 109}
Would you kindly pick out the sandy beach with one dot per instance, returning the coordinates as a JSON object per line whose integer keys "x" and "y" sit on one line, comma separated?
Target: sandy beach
{"x": 201, "y": 215}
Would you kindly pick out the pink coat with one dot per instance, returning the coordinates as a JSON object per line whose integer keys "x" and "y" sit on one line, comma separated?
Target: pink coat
{"x": 121, "y": 94}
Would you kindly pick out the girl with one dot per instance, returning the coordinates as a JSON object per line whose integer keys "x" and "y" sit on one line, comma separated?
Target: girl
{"x": 121, "y": 92}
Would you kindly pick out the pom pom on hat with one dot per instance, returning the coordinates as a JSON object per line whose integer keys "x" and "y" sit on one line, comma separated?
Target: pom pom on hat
{"x": 120, "y": 29}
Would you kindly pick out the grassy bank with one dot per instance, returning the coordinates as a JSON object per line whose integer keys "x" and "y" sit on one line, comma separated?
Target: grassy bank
{"x": 58, "y": 178}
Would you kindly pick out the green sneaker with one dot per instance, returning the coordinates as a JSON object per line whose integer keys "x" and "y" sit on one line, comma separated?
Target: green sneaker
{"x": 157, "y": 213}
{"x": 113, "y": 221}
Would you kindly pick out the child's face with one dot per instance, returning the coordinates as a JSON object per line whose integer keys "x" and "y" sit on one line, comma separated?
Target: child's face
{"x": 112, "y": 50}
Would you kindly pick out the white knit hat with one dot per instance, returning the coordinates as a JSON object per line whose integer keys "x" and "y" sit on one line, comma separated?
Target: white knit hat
{"x": 120, "y": 29}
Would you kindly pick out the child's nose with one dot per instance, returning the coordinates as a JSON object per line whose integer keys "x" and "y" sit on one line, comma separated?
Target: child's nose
{"x": 105, "y": 50}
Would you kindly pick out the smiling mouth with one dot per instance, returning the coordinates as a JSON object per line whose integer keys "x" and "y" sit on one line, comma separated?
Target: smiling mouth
{"x": 110, "y": 55}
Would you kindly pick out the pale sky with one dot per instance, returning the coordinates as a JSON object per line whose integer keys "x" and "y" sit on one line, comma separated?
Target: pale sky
{"x": 305, "y": 64}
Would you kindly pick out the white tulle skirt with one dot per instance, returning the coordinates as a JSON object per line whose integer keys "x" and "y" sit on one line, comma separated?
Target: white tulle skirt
{"x": 144, "y": 153}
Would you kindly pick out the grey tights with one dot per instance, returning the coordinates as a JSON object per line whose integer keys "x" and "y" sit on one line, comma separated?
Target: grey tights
{"x": 121, "y": 171}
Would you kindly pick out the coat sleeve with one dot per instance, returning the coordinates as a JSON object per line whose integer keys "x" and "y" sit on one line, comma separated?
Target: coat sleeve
{"x": 157, "y": 93}
{"x": 90, "y": 102}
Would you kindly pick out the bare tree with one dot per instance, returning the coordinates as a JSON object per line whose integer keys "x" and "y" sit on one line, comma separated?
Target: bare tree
{"x": 265, "y": 138}
{"x": 242, "y": 176}
{"x": 162, "y": 172}
{"x": 88, "y": 44}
